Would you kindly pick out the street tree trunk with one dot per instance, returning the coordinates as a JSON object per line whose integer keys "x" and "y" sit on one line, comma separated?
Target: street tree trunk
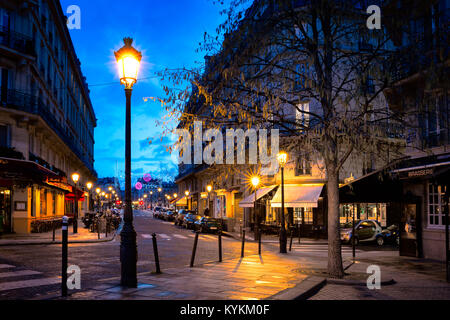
{"x": 335, "y": 268}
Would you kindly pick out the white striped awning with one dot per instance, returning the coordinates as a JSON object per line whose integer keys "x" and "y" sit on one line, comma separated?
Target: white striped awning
{"x": 248, "y": 202}
{"x": 298, "y": 196}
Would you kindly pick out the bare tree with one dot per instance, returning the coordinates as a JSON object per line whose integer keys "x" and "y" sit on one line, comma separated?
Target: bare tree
{"x": 311, "y": 68}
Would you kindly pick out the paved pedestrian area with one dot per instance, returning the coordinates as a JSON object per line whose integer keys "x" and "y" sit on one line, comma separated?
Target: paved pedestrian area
{"x": 415, "y": 279}
{"x": 47, "y": 237}
{"x": 250, "y": 278}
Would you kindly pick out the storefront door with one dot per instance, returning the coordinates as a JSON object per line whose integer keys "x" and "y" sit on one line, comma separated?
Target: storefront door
{"x": 5, "y": 211}
{"x": 410, "y": 225}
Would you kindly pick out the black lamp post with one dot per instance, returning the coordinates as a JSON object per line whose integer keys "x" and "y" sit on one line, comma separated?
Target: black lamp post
{"x": 75, "y": 178}
{"x": 282, "y": 160}
{"x": 128, "y": 60}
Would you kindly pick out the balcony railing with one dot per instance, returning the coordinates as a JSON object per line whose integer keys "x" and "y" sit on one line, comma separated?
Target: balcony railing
{"x": 17, "y": 41}
{"x": 28, "y": 103}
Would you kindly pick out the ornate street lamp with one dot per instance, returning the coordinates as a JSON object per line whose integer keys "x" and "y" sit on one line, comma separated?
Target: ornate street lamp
{"x": 128, "y": 62}
{"x": 89, "y": 185}
{"x": 98, "y": 191}
{"x": 75, "y": 179}
{"x": 256, "y": 180}
{"x": 282, "y": 160}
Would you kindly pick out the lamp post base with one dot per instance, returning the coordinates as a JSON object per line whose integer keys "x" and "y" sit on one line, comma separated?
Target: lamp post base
{"x": 128, "y": 256}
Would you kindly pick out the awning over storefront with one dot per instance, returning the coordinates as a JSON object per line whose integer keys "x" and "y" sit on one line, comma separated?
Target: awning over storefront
{"x": 71, "y": 196}
{"x": 298, "y": 196}
{"x": 181, "y": 202}
{"x": 22, "y": 170}
{"x": 248, "y": 202}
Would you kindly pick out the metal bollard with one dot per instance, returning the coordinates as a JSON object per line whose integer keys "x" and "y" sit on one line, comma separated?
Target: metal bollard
{"x": 65, "y": 240}
{"x": 220, "y": 246}
{"x": 292, "y": 238}
{"x": 259, "y": 241}
{"x": 98, "y": 228}
{"x": 54, "y": 230}
{"x": 155, "y": 251}
{"x": 243, "y": 243}
{"x": 194, "y": 249}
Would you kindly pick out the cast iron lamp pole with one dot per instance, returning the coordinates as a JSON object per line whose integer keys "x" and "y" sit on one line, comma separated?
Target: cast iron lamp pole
{"x": 282, "y": 160}
{"x": 128, "y": 60}
{"x": 255, "y": 182}
{"x": 209, "y": 189}
{"x": 75, "y": 178}
{"x": 89, "y": 185}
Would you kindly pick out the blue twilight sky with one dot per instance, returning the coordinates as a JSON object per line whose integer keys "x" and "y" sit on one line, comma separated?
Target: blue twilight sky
{"x": 168, "y": 33}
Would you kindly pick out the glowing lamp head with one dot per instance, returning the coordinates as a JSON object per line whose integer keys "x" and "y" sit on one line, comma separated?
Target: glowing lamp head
{"x": 145, "y": 196}
{"x": 255, "y": 181}
{"x": 209, "y": 188}
{"x": 151, "y": 192}
{"x": 103, "y": 193}
{"x": 175, "y": 195}
{"x": 282, "y": 158}
{"x": 89, "y": 185}
{"x": 187, "y": 193}
{"x": 128, "y": 62}
{"x": 75, "y": 177}
{"x": 110, "y": 188}
{"x": 98, "y": 190}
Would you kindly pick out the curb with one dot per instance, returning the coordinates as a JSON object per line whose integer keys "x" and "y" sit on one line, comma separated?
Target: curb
{"x": 303, "y": 291}
{"x": 343, "y": 282}
{"x": 37, "y": 243}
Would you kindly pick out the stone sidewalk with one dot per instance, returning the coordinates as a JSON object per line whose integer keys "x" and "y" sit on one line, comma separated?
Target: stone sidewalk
{"x": 250, "y": 278}
{"x": 83, "y": 236}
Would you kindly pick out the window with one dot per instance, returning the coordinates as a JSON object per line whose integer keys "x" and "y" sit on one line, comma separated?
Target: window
{"x": 302, "y": 115}
{"x": 4, "y": 141}
{"x": 43, "y": 202}
{"x": 435, "y": 205}
{"x": 303, "y": 216}
{"x": 303, "y": 166}
{"x": 301, "y": 76}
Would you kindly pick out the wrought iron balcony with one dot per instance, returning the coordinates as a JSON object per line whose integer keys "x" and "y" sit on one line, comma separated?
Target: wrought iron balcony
{"x": 17, "y": 100}
{"x": 17, "y": 41}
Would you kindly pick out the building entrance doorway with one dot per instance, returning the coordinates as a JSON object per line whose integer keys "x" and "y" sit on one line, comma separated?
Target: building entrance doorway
{"x": 5, "y": 211}
{"x": 410, "y": 226}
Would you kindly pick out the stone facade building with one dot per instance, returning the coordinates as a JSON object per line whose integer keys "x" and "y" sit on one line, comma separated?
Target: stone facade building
{"x": 46, "y": 117}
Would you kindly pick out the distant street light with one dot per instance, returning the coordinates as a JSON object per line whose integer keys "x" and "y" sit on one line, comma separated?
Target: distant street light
{"x": 75, "y": 179}
{"x": 98, "y": 191}
{"x": 89, "y": 185}
{"x": 255, "y": 180}
{"x": 282, "y": 160}
{"x": 128, "y": 62}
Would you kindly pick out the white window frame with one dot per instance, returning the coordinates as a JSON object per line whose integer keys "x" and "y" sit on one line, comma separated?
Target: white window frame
{"x": 433, "y": 205}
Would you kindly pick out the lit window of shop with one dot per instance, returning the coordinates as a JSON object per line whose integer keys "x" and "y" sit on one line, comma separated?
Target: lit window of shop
{"x": 303, "y": 215}
{"x": 435, "y": 205}
{"x": 43, "y": 202}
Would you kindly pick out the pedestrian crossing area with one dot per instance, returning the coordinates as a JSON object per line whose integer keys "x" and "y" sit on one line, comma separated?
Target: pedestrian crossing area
{"x": 319, "y": 249}
{"x": 14, "y": 278}
{"x": 163, "y": 236}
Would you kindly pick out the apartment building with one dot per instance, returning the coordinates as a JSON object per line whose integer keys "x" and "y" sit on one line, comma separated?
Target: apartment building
{"x": 46, "y": 117}
{"x": 233, "y": 200}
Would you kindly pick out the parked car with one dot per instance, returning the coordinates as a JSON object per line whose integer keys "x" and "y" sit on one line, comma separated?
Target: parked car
{"x": 169, "y": 216}
{"x": 180, "y": 216}
{"x": 390, "y": 235}
{"x": 189, "y": 220}
{"x": 208, "y": 225}
{"x": 365, "y": 231}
